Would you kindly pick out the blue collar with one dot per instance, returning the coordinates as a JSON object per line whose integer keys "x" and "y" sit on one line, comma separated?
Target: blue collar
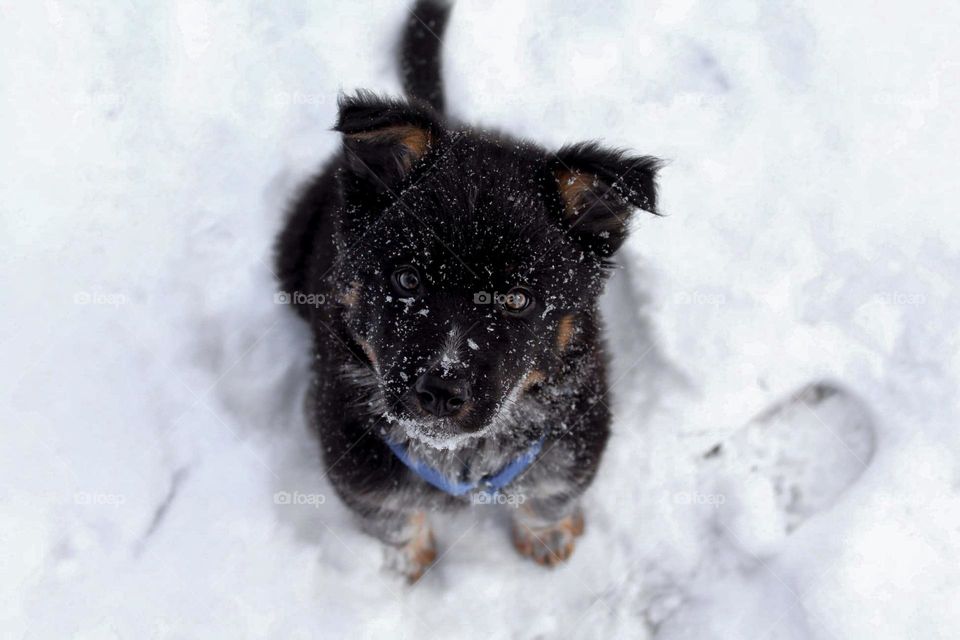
{"x": 489, "y": 484}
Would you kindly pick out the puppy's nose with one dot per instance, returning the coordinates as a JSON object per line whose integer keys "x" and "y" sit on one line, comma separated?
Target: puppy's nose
{"x": 441, "y": 397}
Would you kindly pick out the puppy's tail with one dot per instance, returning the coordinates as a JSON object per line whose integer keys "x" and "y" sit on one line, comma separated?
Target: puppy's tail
{"x": 420, "y": 64}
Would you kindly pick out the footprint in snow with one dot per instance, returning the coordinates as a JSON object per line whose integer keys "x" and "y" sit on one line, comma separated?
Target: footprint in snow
{"x": 792, "y": 461}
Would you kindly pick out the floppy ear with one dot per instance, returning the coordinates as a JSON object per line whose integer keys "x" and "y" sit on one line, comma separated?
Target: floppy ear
{"x": 599, "y": 189}
{"x": 383, "y": 139}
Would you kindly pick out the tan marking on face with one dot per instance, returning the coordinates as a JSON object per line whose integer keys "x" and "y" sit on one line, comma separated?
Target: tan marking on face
{"x": 367, "y": 349}
{"x": 573, "y": 185}
{"x": 414, "y": 140}
{"x": 565, "y": 332}
{"x": 532, "y": 378}
{"x": 352, "y": 295}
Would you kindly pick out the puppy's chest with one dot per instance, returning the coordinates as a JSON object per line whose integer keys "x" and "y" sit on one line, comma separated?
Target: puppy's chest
{"x": 472, "y": 463}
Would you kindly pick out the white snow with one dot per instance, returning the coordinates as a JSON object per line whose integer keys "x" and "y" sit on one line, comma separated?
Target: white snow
{"x": 158, "y": 479}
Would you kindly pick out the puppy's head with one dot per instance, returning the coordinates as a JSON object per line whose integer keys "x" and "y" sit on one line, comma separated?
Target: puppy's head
{"x": 468, "y": 260}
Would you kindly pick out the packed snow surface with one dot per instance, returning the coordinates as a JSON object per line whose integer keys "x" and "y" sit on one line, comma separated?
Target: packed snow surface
{"x": 156, "y": 475}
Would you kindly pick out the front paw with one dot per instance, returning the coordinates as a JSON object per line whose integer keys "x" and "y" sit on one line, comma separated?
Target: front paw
{"x": 551, "y": 544}
{"x": 414, "y": 558}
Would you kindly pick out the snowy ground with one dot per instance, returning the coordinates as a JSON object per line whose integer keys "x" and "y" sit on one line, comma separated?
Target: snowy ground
{"x": 152, "y": 389}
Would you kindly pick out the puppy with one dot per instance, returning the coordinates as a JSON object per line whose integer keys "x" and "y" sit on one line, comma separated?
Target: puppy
{"x": 450, "y": 278}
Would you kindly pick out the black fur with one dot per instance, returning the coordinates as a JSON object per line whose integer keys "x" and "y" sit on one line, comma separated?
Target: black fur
{"x": 420, "y": 52}
{"x": 474, "y": 213}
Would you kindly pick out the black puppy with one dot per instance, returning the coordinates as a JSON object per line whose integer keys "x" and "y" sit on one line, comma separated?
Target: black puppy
{"x": 450, "y": 277}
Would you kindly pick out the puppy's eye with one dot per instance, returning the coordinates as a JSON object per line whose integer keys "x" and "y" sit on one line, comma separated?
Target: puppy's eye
{"x": 406, "y": 279}
{"x": 518, "y": 301}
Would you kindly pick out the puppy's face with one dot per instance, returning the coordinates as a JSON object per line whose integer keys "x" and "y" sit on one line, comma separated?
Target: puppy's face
{"x": 468, "y": 260}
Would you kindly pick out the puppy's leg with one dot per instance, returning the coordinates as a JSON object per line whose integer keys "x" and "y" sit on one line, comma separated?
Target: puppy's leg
{"x": 546, "y": 530}
{"x": 409, "y": 539}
